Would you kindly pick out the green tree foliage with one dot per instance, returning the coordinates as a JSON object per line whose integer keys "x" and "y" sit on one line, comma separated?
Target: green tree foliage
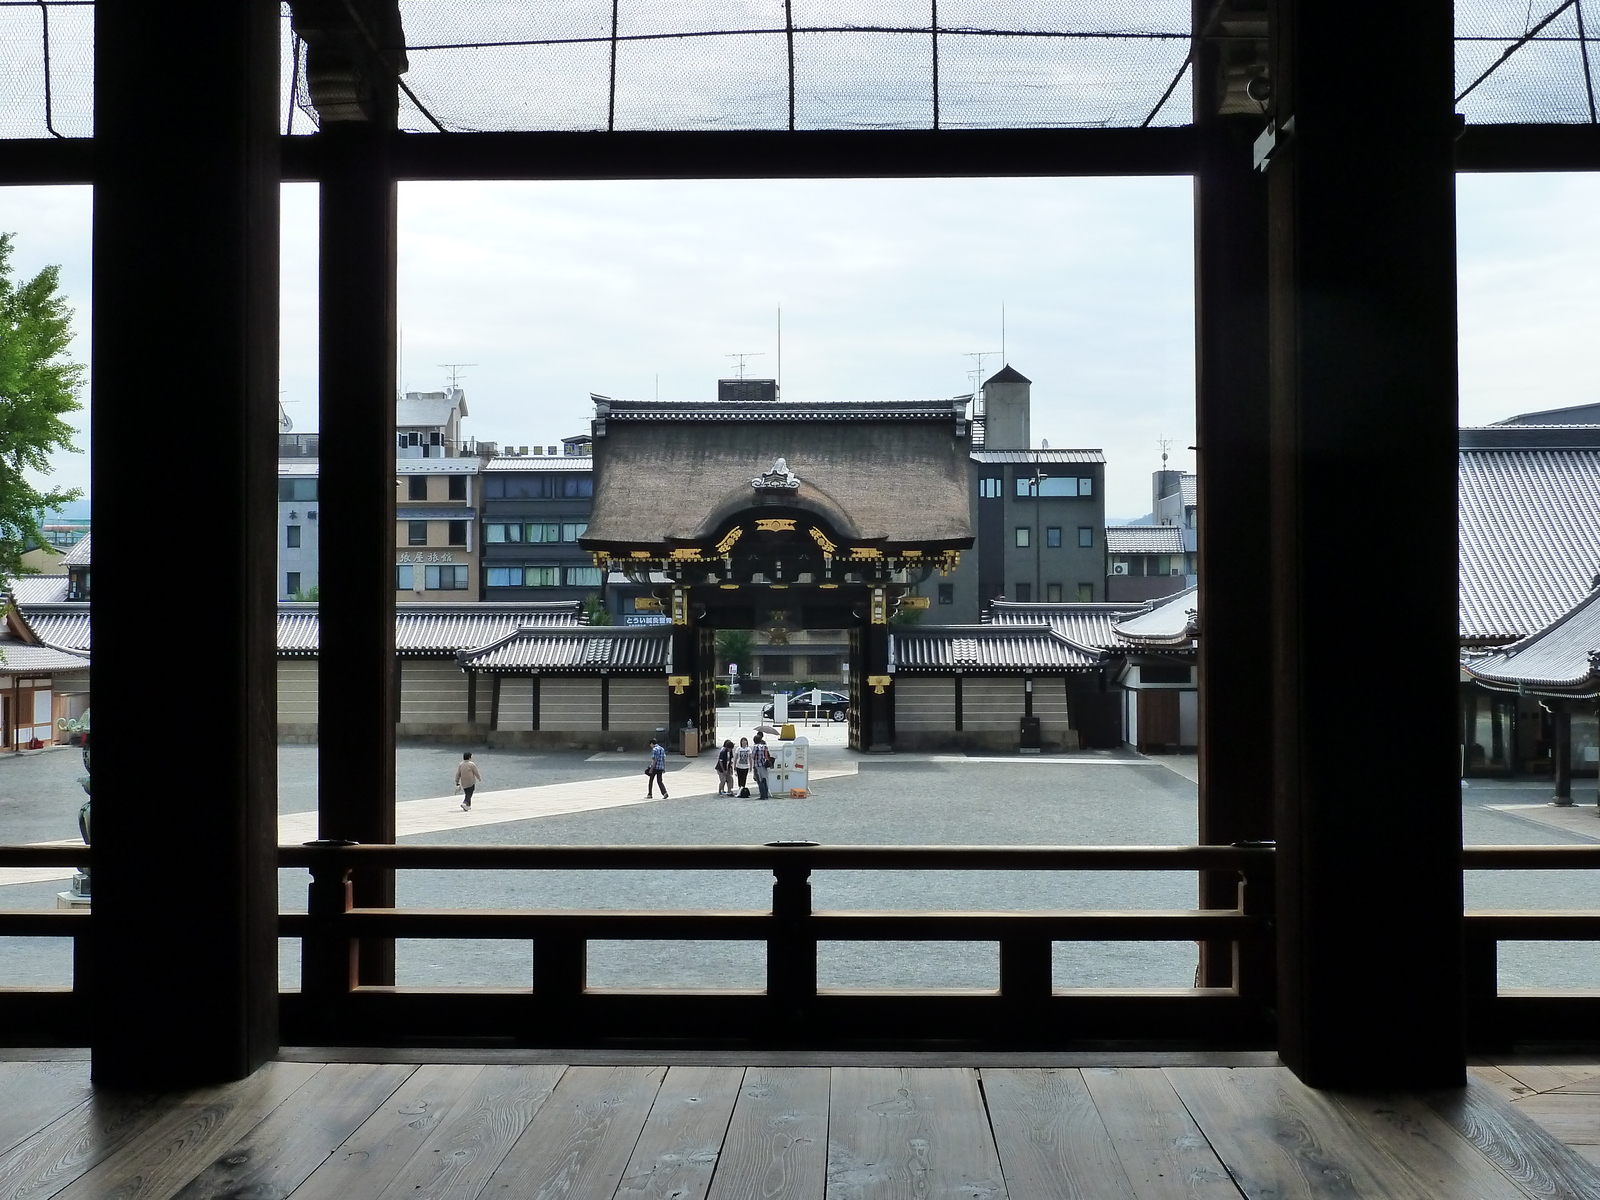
{"x": 734, "y": 646}
{"x": 38, "y": 388}
{"x": 308, "y": 595}
{"x": 595, "y": 611}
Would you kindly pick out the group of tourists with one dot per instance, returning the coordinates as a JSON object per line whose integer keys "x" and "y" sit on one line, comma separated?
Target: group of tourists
{"x": 735, "y": 766}
{"x": 740, "y": 762}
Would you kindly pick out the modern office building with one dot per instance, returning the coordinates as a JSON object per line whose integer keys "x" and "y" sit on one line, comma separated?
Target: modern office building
{"x": 1156, "y": 556}
{"x": 1039, "y": 514}
{"x": 436, "y": 534}
{"x": 535, "y": 508}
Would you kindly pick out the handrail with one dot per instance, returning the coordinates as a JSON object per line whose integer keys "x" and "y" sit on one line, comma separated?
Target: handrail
{"x": 757, "y": 858}
{"x": 46, "y": 856}
{"x": 1531, "y": 858}
{"x": 887, "y": 858}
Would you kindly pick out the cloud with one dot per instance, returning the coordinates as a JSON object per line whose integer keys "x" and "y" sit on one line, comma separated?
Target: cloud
{"x": 555, "y": 290}
{"x": 559, "y": 289}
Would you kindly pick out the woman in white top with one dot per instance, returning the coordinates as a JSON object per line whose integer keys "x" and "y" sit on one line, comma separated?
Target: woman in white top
{"x": 741, "y": 767}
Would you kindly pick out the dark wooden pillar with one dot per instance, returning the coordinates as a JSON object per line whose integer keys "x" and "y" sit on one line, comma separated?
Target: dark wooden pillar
{"x": 1561, "y": 753}
{"x": 877, "y": 724}
{"x": 683, "y": 697}
{"x": 186, "y": 253}
{"x": 1363, "y": 328}
{"x": 357, "y": 331}
{"x": 1231, "y": 415}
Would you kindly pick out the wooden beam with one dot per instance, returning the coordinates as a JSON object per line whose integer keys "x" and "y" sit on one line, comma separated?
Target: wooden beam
{"x": 822, "y": 154}
{"x": 1231, "y": 406}
{"x": 186, "y": 245}
{"x": 1363, "y": 295}
{"x": 357, "y": 348}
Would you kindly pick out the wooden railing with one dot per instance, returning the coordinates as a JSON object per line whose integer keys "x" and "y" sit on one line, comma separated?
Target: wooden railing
{"x": 332, "y": 1007}
{"x": 561, "y": 1009}
{"x": 1496, "y": 1019}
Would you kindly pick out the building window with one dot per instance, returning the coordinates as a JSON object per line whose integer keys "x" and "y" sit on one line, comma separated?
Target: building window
{"x": 1086, "y": 593}
{"x": 520, "y": 487}
{"x": 572, "y": 531}
{"x": 290, "y": 490}
{"x": 1024, "y": 593}
{"x": 458, "y": 487}
{"x": 1086, "y": 536}
{"x": 1085, "y": 486}
{"x": 416, "y": 533}
{"x": 989, "y": 489}
{"x": 292, "y": 537}
{"x": 292, "y": 583}
{"x": 404, "y": 580}
{"x": 503, "y": 577}
{"x": 1052, "y": 537}
{"x": 825, "y": 664}
{"x": 502, "y": 533}
{"x": 583, "y": 576}
{"x": 1052, "y": 593}
{"x": 947, "y": 593}
{"x": 544, "y": 533}
{"x": 577, "y": 485}
{"x": 458, "y": 533}
{"x": 776, "y": 666}
{"x": 1029, "y": 486}
{"x": 1024, "y": 536}
{"x": 416, "y": 487}
{"x": 541, "y": 576}
{"x": 445, "y": 579}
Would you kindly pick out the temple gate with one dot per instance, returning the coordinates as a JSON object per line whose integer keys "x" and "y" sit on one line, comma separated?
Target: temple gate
{"x": 769, "y": 515}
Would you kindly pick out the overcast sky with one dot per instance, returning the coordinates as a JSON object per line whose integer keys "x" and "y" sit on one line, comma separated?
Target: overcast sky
{"x": 554, "y": 291}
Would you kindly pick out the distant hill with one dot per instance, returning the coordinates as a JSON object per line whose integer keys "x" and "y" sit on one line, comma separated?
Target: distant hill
{"x": 78, "y": 510}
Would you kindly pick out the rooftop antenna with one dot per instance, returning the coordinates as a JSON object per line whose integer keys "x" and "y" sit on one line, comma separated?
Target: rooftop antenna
{"x": 455, "y": 371}
{"x": 741, "y": 358}
{"x": 1165, "y": 444}
{"x": 977, "y": 356}
{"x": 1003, "y": 359}
{"x": 780, "y": 349}
{"x": 976, "y": 374}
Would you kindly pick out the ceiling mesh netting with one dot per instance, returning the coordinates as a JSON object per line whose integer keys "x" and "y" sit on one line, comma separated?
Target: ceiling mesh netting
{"x": 806, "y": 64}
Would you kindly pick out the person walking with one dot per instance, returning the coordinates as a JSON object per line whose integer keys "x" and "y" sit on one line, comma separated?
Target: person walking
{"x": 725, "y": 769}
{"x": 656, "y": 773}
{"x": 760, "y": 761}
{"x": 742, "y": 758}
{"x": 468, "y": 777}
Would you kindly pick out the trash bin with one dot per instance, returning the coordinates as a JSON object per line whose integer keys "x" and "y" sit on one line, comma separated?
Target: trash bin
{"x": 691, "y": 742}
{"x": 1031, "y": 738}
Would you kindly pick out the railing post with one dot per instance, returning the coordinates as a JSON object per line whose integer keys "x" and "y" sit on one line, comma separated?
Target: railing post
{"x": 1027, "y": 972}
{"x": 791, "y": 955}
{"x": 328, "y": 955}
{"x": 1487, "y": 1029}
{"x": 1255, "y": 960}
{"x": 560, "y": 973}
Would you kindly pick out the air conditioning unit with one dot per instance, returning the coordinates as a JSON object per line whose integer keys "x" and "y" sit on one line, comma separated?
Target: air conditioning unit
{"x": 1119, "y": 568}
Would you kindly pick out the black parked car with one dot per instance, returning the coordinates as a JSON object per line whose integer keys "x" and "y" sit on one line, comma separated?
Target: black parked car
{"x": 834, "y": 706}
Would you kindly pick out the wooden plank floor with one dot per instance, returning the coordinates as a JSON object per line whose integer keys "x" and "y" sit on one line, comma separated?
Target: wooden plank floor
{"x": 1524, "y": 1129}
